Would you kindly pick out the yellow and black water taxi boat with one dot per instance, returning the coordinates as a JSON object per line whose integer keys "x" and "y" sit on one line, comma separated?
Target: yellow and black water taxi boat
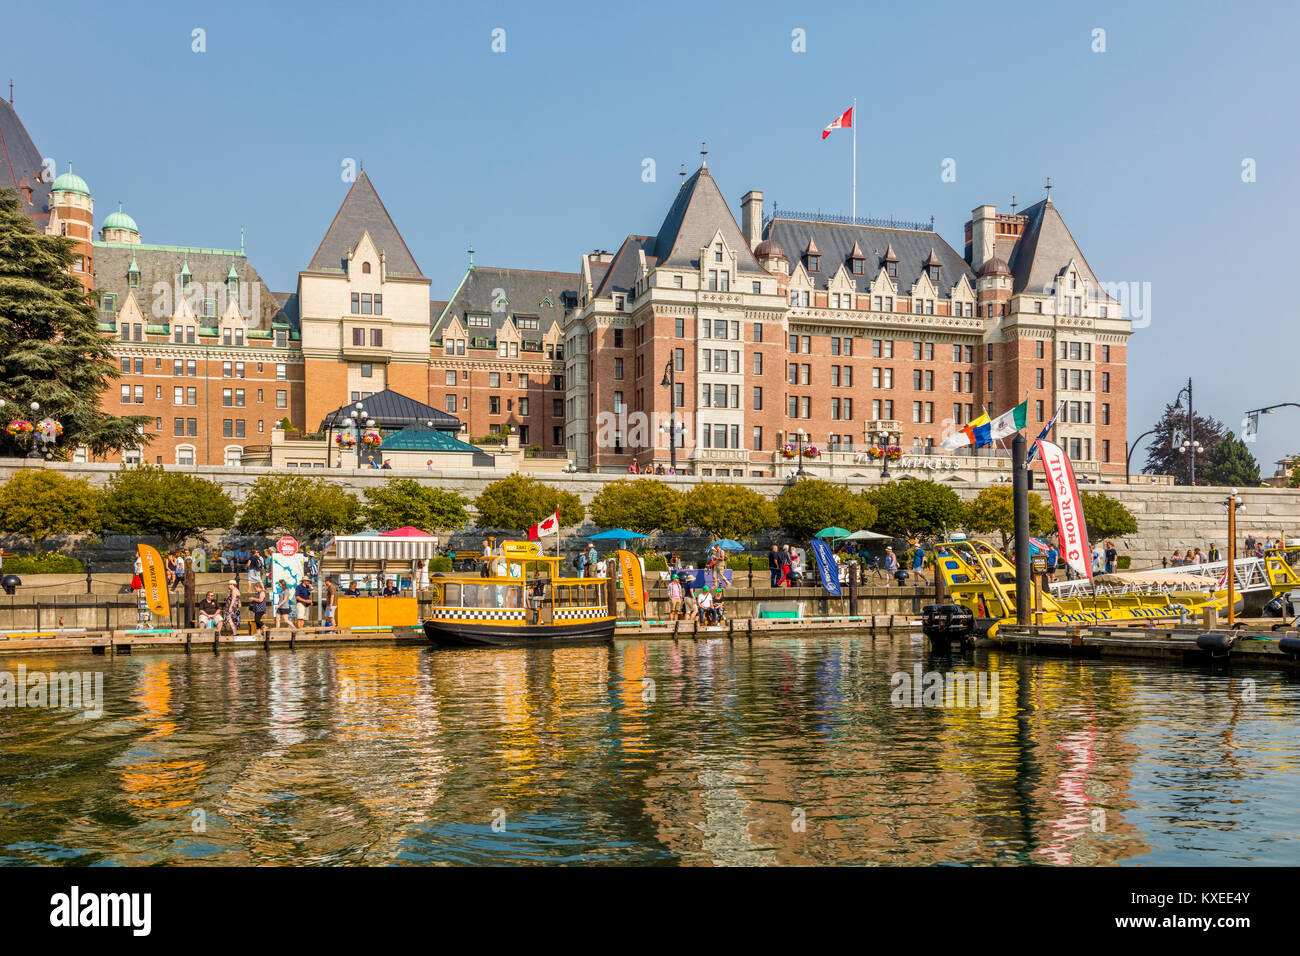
{"x": 523, "y": 600}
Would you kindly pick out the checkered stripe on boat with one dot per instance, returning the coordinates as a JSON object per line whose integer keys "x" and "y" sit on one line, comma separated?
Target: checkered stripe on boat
{"x": 563, "y": 613}
{"x": 477, "y": 614}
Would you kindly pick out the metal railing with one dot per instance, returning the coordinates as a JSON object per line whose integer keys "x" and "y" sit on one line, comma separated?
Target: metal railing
{"x": 919, "y": 225}
{"x": 1249, "y": 575}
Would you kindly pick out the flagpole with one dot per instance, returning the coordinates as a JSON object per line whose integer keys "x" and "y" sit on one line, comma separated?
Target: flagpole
{"x": 855, "y": 159}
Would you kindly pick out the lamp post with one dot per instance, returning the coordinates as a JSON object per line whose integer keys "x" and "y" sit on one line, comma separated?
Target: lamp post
{"x": 799, "y": 473}
{"x": 1232, "y": 504}
{"x": 1190, "y": 445}
{"x": 1128, "y": 457}
{"x": 883, "y": 440}
{"x": 670, "y": 382}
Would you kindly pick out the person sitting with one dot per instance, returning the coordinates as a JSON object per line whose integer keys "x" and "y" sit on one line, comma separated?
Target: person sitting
{"x": 719, "y": 606}
{"x": 351, "y": 589}
{"x": 390, "y": 590}
{"x": 209, "y": 611}
{"x": 704, "y": 606}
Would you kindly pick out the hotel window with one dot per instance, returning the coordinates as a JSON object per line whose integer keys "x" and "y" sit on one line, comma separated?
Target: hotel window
{"x": 379, "y": 304}
{"x": 281, "y": 371}
{"x": 367, "y": 304}
{"x": 805, "y": 374}
{"x": 1038, "y": 351}
{"x": 618, "y": 338}
{"x": 875, "y": 408}
{"x": 956, "y": 381}
{"x": 1038, "y": 410}
{"x": 757, "y": 288}
{"x": 227, "y": 337}
{"x": 805, "y": 344}
{"x": 1105, "y": 353}
{"x": 794, "y": 344}
{"x": 677, "y": 282}
{"x": 679, "y": 359}
{"x": 139, "y": 394}
{"x": 990, "y": 388}
{"x": 460, "y": 346}
{"x": 178, "y": 427}
{"x": 377, "y": 337}
{"x": 358, "y": 336}
{"x": 679, "y": 397}
{"x": 178, "y": 396}
{"x": 758, "y": 438}
{"x": 1105, "y": 381}
{"x": 956, "y": 417}
{"x": 835, "y": 376}
{"x": 281, "y": 399}
{"x": 227, "y": 397}
{"x": 259, "y": 396}
{"x": 929, "y": 412}
{"x": 126, "y": 394}
{"x": 805, "y": 407}
{"x": 679, "y": 328}
{"x": 618, "y": 369}
{"x": 1038, "y": 378}
{"x": 758, "y": 363}
{"x": 916, "y": 411}
{"x": 494, "y": 405}
{"x": 1105, "y": 449}
{"x": 523, "y": 406}
{"x": 185, "y": 455}
{"x": 758, "y": 398}
{"x": 451, "y": 377}
{"x": 1105, "y": 413}
{"x": 916, "y": 379}
{"x": 792, "y": 373}
{"x": 792, "y": 410}
{"x": 239, "y": 370}
{"x": 227, "y": 428}
{"x": 281, "y": 339}
{"x": 494, "y": 379}
{"x": 450, "y": 403}
{"x": 226, "y": 368}
{"x": 835, "y": 409}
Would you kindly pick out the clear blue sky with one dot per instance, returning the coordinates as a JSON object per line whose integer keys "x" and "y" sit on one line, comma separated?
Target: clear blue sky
{"x": 535, "y": 155}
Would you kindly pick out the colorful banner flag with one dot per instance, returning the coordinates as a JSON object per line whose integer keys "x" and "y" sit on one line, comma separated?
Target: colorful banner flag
{"x": 629, "y": 575}
{"x": 1008, "y": 423}
{"x": 153, "y": 576}
{"x": 1071, "y": 531}
{"x": 976, "y": 433}
{"x": 549, "y": 525}
{"x": 1047, "y": 430}
{"x": 844, "y": 121}
{"x": 827, "y": 569}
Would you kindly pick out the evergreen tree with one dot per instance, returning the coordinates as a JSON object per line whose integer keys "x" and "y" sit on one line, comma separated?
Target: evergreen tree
{"x": 51, "y": 349}
{"x": 1163, "y": 456}
{"x": 1231, "y": 464}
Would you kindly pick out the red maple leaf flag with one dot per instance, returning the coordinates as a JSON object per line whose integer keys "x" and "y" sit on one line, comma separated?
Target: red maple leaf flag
{"x": 844, "y": 121}
{"x": 549, "y": 525}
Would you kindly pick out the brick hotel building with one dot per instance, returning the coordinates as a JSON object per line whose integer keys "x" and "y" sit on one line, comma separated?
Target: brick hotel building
{"x": 779, "y": 323}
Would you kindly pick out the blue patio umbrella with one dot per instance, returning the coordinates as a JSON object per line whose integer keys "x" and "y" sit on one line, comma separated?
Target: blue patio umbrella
{"x": 727, "y": 544}
{"x": 616, "y": 534}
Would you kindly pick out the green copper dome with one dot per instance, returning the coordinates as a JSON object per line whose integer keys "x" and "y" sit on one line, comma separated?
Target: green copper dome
{"x": 120, "y": 220}
{"x": 70, "y": 182}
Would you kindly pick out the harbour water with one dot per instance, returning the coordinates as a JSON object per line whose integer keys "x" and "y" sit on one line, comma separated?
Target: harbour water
{"x": 808, "y": 750}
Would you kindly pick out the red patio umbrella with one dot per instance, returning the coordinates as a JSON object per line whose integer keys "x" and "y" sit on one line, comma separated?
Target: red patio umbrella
{"x": 407, "y": 532}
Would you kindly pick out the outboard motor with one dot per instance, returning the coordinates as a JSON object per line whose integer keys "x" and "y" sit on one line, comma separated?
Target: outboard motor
{"x": 945, "y": 623}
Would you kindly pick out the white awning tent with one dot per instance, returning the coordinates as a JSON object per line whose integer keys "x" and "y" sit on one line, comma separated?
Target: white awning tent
{"x": 361, "y": 547}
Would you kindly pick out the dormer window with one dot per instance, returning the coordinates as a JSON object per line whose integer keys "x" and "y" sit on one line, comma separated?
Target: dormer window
{"x": 857, "y": 261}
{"x": 812, "y": 256}
{"x": 365, "y": 268}
{"x": 890, "y": 261}
{"x": 717, "y": 253}
{"x": 133, "y": 278}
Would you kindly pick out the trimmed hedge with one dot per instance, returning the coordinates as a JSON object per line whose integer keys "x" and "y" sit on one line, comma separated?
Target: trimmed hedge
{"x": 43, "y": 564}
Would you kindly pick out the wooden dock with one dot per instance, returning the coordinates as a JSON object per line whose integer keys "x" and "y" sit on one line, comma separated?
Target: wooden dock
{"x": 82, "y": 640}
{"x": 1252, "y": 643}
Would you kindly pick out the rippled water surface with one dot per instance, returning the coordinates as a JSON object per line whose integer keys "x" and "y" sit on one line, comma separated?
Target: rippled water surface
{"x": 779, "y": 751}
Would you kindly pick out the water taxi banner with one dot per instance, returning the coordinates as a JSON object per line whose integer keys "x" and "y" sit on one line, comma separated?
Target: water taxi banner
{"x": 154, "y": 579}
{"x": 630, "y": 574}
{"x": 1072, "y": 532}
{"x": 827, "y": 569}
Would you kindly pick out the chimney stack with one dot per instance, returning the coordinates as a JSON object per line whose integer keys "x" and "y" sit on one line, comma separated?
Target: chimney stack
{"x": 983, "y": 235}
{"x": 751, "y": 218}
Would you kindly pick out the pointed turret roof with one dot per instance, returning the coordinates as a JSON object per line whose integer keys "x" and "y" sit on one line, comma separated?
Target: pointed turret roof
{"x": 363, "y": 211}
{"x": 890, "y": 255}
{"x": 21, "y": 165}
{"x": 933, "y": 260}
{"x": 1044, "y": 249}
{"x": 856, "y": 251}
{"x": 811, "y": 248}
{"x": 698, "y": 213}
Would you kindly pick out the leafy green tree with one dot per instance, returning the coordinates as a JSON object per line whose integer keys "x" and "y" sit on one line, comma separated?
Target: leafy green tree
{"x": 404, "y": 501}
{"x": 518, "y": 501}
{"x": 51, "y": 349}
{"x": 729, "y": 511}
{"x": 643, "y": 505}
{"x": 1231, "y": 464}
{"x": 37, "y": 503}
{"x": 993, "y": 511}
{"x": 173, "y": 505}
{"x": 1163, "y": 456}
{"x": 913, "y": 507}
{"x": 305, "y": 507}
{"x": 808, "y": 506}
{"x": 1106, "y": 517}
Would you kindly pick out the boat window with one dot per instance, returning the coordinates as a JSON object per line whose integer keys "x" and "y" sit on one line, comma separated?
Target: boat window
{"x": 450, "y": 596}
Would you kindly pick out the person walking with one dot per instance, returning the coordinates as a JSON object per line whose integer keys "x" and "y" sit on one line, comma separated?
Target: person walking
{"x": 257, "y": 604}
{"x": 232, "y": 608}
{"x": 786, "y": 564}
{"x": 255, "y": 565}
{"x": 486, "y": 552}
{"x": 918, "y": 563}
{"x": 283, "y": 606}
{"x": 774, "y": 565}
{"x": 674, "y": 598}
{"x": 593, "y": 559}
{"x": 1112, "y": 557}
{"x": 302, "y": 601}
{"x": 891, "y": 564}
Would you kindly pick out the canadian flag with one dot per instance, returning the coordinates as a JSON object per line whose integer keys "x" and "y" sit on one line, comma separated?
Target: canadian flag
{"x": 844, "y": 121}
{"x": 549, "y": 525}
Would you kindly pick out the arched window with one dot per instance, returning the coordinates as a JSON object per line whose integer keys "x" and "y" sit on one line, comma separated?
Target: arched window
{"x": 184, "y": 454}
{"x": 365, "y": 268}
{"x": 234, "y": 456}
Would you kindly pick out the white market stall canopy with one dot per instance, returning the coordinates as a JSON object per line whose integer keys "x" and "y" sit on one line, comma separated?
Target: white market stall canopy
{"x": 362, "y": 547}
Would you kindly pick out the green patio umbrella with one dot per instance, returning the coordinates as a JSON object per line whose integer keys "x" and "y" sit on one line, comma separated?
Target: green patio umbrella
{"x": 832, "y": 533}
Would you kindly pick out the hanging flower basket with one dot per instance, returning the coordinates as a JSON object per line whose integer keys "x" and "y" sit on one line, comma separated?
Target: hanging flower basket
{"x": 811, "y": 452}
{"x": 372, "y": 438}
{"x": 345, "y": 441}
{"x": 891, "y": 452}
{"x": 789, "y": 451}
{"x": 19, "y": 427}
{"x": 49, "y": 428}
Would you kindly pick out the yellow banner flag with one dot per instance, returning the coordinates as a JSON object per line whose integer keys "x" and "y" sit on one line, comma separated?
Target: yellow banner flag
{"x": 154, "y": 578}
{"x": 630, "y": 576}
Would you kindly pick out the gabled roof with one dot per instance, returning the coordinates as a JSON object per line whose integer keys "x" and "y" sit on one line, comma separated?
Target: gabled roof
{"x": 620, "y": 274}
{"x": 392, "y": 409}
{"x": 696, "y": 215}
{"x": 21, "y": 165}
{"x": 363, "y": 211}
{"x": 504, "y": 293}
{"x": 838, "y": 243}
{"x": 1044, "y": 249}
